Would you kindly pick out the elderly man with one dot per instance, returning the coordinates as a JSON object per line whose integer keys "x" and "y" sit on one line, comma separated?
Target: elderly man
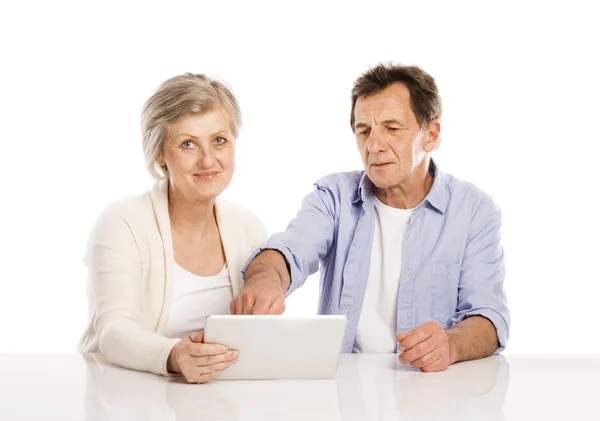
{"x": 411, "y": 255}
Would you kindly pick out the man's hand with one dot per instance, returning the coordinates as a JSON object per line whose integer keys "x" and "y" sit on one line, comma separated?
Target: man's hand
{"x": 427, "y": 347}
{"x": 263, "y": 293}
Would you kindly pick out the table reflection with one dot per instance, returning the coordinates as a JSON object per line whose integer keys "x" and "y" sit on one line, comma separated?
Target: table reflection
{"x": 370, "y": 389}
{"x": 114, "y": 393}
{"x": 367, "y": 387}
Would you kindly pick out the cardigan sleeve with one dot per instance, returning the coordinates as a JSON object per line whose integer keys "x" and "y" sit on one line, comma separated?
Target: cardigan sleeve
{"x": 115, "y": 274}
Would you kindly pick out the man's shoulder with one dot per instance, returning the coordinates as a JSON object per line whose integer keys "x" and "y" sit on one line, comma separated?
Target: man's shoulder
{"x": 344, "y": 183}
{"x": 466, "y": 192}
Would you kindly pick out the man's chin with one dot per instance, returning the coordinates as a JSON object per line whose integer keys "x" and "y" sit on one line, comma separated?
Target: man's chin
{"x": 381, "y": 182}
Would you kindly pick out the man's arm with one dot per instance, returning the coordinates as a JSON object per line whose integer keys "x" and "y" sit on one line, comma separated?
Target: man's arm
{"x": 285, "y": 261}
{"x": 481, "y": 320}
{"x": 269, "y": 262}
{"x": 481, "y": 287}
{"x": 472, "y": 339}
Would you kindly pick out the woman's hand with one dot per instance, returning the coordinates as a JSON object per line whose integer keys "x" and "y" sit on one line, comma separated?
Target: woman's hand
{"x": 200, "y": 362}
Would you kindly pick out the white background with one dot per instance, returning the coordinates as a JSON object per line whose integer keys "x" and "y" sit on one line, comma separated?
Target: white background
{"x": 519, "y": 82}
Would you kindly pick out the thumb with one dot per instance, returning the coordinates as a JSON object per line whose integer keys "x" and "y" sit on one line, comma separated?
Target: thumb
{"x": 199, "y": 337}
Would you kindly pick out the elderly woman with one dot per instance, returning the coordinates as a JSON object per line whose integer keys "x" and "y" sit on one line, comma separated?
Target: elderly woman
{"x": 159, "y": 263}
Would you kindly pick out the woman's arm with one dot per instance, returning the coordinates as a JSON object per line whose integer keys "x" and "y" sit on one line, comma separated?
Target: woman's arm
{"x": 114, "y": 266}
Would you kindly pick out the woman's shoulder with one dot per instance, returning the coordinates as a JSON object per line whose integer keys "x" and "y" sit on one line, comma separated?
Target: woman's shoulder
{"x": 125, "y": 216}
{"x": 236, "y": 214}
{"x": 230, "y": 209}
{"x": 132, "y": 207}
{"x": 122, "y": 226}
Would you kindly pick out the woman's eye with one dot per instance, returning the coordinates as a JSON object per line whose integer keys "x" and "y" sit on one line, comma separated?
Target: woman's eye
{"x": 220, "y": 140}
{"x": 187, "y": 144}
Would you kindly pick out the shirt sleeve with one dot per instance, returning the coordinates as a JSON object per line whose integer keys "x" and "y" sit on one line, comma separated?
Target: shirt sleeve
{"x": 481, "y": 286}
{"x": 307, "y": 238}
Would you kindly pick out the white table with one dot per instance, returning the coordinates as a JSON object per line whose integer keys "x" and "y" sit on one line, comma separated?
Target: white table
{"x": 70, "y": 387}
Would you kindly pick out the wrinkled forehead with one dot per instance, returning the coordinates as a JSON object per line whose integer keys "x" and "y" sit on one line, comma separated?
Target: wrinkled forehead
{"x": 391, "y": 103}
{"x": 201, "y": 125}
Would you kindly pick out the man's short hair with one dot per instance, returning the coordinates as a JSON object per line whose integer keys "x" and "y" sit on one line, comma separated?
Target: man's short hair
{"x": 425, "y": 100}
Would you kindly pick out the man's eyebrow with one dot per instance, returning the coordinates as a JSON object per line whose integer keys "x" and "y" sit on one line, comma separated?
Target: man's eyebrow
{"x": 385, "y": 122}
{"x": 360, "y": 125}
{"x": 393, "y": 121}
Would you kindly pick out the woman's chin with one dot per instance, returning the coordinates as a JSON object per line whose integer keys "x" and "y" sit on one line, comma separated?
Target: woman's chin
{"x": 207, "y": 193}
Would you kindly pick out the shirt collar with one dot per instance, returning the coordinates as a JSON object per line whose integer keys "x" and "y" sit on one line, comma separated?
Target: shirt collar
{"x": 436, "y": 197}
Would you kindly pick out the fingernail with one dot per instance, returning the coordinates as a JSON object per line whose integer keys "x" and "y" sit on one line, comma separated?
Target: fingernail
{"x": 233, "y": 355}
{"x": 223, "y": 349}
{"x": 401, "y": 349}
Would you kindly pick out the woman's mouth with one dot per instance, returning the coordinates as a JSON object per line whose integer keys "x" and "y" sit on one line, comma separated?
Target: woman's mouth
{"x": 206, "y": 175}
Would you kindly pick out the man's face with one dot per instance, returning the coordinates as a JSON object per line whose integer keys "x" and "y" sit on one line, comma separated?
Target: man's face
{"x": 389, "y": 139}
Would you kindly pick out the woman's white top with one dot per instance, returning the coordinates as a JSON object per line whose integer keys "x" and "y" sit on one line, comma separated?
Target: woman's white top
{"x": 194, "y": 298}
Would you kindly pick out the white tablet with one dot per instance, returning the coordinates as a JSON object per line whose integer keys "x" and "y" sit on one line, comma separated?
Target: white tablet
{"x": 279, "y": 347}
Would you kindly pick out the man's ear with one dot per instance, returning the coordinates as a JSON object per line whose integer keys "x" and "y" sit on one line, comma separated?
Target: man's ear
{"x": 432, "y": 134}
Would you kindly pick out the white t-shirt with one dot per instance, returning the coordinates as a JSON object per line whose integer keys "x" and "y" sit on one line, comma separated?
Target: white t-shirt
{"x": 376, "y": 331}
{"x": 194, "y": 298}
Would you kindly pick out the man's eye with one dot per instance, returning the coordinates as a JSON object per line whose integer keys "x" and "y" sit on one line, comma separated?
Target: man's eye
{"x": 220, "y": 140}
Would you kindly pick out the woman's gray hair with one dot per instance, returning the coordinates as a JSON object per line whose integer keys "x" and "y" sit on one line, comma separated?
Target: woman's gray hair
{"x": 181, "y": 95}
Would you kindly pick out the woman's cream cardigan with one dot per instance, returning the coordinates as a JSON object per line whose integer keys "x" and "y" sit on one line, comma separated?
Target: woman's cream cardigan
{"x": 130, "y": 274}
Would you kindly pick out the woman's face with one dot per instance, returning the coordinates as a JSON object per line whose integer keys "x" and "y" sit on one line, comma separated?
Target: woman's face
{"x": 199, "y": 153}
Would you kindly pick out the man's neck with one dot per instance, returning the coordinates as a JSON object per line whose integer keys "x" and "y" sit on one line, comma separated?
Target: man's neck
{"x": 407, "y": 195}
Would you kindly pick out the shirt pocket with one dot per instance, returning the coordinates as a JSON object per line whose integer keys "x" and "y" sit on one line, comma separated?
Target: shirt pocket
{"x": 443, "y": 288}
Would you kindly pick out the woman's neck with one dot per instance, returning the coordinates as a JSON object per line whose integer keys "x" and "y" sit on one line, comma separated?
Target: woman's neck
{"x": 186, "y": 215}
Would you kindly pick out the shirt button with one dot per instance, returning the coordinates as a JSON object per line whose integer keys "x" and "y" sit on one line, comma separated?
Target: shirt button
{"x": 409, "y": 274}
{"x": 345, "y": 312}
